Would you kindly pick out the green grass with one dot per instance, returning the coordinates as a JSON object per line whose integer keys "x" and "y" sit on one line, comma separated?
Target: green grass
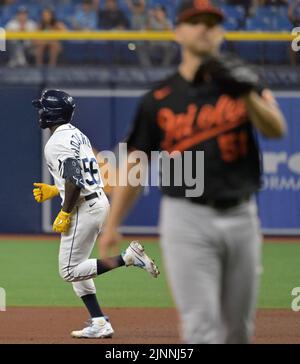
{"x": 29, "y": 274}
{"x": 281, "y": 273}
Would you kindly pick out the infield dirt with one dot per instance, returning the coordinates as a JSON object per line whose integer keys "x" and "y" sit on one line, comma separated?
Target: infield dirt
{"x": 132, "y": 326}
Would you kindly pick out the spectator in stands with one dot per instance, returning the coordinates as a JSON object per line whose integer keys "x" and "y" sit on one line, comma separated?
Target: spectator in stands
{"x": 140, "y": 21}
{"x": 294, "y": 12}
{"x": 18, "y": 49}
{"x": 248, "y": 5}
{"x": 85, "y": 18}
{"x": 48, "y": 22}
{"x": 159, "y": 21}
{"x": 139, "y": 14}
{"x": 111, "y": 17}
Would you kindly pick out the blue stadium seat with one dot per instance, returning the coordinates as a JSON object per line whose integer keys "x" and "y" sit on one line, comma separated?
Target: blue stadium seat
{"x": 276, "y": 17}
{"x": 267, "y": 18}
{"x": 258, "y": 24}
{"x": 282, "y": 24}
{"x": 2, "y": 23}
{"x": 264, "y": 11}
{"x": 231, "y": 24}
{"x": 237, "y": 12}
{"x": 64, "y": 13}
{"x": 34, "y": 12}
{"x": 282, "y": 11}
{"x": 7, "y": 13}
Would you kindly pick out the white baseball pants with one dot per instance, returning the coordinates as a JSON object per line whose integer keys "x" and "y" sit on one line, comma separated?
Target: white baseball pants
{"x": 77, "y": 244}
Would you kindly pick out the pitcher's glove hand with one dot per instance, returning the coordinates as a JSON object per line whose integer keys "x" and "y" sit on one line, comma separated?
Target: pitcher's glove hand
{"x": 43, "y": 192}
{"x": 62, "y": 222}
{"x": 234, "y": 76}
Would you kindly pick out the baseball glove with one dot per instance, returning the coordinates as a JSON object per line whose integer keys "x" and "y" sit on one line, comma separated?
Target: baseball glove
{"x": 233, "y": 75}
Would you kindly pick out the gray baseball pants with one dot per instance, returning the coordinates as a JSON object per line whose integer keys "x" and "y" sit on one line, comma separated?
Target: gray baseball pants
{"x": 212, "y": 258}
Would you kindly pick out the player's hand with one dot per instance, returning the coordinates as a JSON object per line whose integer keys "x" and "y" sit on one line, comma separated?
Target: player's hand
{"x": 234, "y": 76}
{"x": 62, "y": 222}
{"x": 43, "y": 192}
{"x": 109, "y": 243}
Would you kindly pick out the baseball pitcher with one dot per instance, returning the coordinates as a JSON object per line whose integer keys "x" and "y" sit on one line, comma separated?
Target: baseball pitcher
{"x": 73, "y": 165}
{"x": 211, "y": 243}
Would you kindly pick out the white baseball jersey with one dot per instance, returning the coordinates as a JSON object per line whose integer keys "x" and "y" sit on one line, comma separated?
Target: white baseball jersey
{"x": 69, "y": 142}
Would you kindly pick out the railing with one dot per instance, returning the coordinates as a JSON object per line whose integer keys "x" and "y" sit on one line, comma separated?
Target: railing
{"x": 133, "y": 35}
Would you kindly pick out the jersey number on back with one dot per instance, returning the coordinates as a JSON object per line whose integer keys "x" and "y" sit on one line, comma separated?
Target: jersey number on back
{"x": 90, "y": 167}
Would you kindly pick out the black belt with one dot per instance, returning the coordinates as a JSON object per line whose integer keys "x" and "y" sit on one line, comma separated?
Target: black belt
{"x": 223, "y": 204}
{"x": 92, "y": 196}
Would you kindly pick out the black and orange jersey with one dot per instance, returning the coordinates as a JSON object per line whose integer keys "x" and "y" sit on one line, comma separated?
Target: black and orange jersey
{"x": 178, "y": 116}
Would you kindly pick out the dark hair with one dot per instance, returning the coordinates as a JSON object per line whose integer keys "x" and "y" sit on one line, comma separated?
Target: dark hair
{"x": 53, "y": 21}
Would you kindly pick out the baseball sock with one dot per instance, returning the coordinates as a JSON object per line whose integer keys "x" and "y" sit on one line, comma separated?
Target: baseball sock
{"x": 92, "y": 305}
{"x": 105, "y": 265}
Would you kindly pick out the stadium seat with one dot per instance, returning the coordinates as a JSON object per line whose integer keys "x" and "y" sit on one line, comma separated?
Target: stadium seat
{"x": 7, "y": 13}
{"x": 237, "y": 12}
{"x": 282, "y": 24}
{"x": 258, "y": 24}
{"x": 231, "y": 24}
{"x": 264, "y": 11}
{"x": 266, "y": 18}
{"x": 282, "y": 11}
{"x": 2, "y": 23}
{"x": 64, "y": 13}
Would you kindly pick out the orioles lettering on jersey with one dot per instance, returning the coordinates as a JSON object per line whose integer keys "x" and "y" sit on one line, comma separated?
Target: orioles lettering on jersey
{"x": 199, "y": 124}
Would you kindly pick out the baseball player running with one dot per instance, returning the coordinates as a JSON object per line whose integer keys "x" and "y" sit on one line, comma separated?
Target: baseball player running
{"x": 77, "y": 179}
{"x": 211, "y": 243}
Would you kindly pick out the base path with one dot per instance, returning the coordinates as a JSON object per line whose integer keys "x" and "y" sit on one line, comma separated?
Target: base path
{"x": 132, "y": 326}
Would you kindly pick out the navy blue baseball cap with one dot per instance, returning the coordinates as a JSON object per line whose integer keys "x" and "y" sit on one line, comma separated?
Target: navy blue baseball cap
{"x": 190, "y": 8}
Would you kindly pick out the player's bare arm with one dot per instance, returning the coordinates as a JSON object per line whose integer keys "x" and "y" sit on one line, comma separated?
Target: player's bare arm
{"x": 63, "y": 221}
{"x": 265, "y": 114}
{"x": 73, "y": 185}
{"x": 72, "y": 194}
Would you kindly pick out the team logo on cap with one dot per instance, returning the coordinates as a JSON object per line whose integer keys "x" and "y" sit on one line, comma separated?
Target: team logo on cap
{"x": 200, "y": 4}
